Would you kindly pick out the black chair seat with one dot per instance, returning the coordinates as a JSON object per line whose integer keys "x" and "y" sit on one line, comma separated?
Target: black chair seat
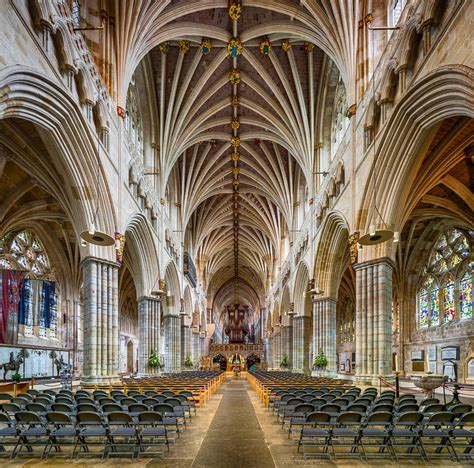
{"x": 153, "y": 431}
{"x": 462, "y": 433}
{"x": 298, "y": 420}
{"x": 403, "y": 433}
{"x": 434, "y": 433}
{"x": 123, "y": 432}
{"x": 314, "y": 432}
{"x": 8, "y": 431}
{"x": 34, "y": 431}
{"x": 374, "y": 432}
{"x": 64, "y": 432}
{"x": 93, "y": 431}
{"x": 344, "y": 432}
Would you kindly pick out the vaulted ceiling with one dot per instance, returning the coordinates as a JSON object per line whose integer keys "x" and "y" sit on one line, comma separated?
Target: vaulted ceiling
{"x": 237, "y": 118}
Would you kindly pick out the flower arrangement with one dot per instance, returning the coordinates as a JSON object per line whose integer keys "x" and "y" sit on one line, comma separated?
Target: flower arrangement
{"x": 16, "y": 377}
{"x": 188, "y": 362}
{"x": 154, "y": 360}
{"x": 320, "y": 361}
{"x": 284, "y": 362}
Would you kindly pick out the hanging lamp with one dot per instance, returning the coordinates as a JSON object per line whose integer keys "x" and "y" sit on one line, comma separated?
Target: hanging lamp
{"x": 375, "y": 235}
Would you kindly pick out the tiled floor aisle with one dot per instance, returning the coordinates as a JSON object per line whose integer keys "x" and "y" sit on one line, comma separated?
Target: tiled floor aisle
{"x": 235, "y": 438}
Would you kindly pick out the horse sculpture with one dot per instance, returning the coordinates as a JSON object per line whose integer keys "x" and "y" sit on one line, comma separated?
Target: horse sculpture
{"x": 14, "y": 363}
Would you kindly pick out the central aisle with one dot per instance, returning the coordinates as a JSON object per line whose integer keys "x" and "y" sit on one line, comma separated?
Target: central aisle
{"x": 234, "y": 437}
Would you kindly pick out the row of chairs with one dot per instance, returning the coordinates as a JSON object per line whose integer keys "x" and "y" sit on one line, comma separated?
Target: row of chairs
{"x": 406, "y": 435}
{"x": 117, "y": 433}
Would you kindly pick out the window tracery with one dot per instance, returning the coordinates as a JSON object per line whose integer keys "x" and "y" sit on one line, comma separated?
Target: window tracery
{"x": 445, "y": 292}
{"x": 38, "y": 301}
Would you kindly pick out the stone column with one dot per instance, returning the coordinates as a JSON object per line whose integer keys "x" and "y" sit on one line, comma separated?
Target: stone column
{"x": 101, "y": 331}
{"x": 148, "y": 331}
{"x": 270, "y": 352}
{"x": 185, "y": 342}
{"x": 324, "y": 331}
{"x": 301, "y": 338}
{"x": 172, "y": 325}
{"x": 277, "y": 355}
{"x": 373, "y": 319}
{"x": 287, "y": 344}
{"x": 195, "y": 347}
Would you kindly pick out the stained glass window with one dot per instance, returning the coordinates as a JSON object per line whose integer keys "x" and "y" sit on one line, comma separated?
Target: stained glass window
{"x": 24, "y": 251}
{"x": 434, "y": 306}
{"x": 449, "y": 306}
{"x": 445, "y": 279}
{"x": 423, "y": 304}
{"x": 465, "y": 292}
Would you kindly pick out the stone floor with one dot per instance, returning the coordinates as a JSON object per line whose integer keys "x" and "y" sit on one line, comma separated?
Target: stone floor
{"x": 233, "y": 429}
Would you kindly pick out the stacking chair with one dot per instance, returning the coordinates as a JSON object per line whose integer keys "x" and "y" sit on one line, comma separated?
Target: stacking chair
{"x": 133, "y": 393}
{"x": 151, "y": 433}
{"x": 316, "y": 435}
{"x": 406, "y": 397}
{"x": 92, "y": 433}
{"x": 150, "y": 402}
{"x": 346, "y": 434}
{"x": 327, "y": 397}
{"x": 168, "y": 393}
{"x": 31, "y": 432}
{"x": 150, "y": 393}
{"x": 363, "y": 401}
{"x": 405, "y": 433}
{"x": 86, "y": 408}
{"x": 462, "y": 437}
{"x": 64, "y": 399}
{"x": 307, "y": 397}
{"x": 117, "y": 392}
{"x": 435, "y": 434}
{"x": 31, "y": 391}
{"x": 432, "y": 409}
{"x": 105, "y": 401}
{"x": 342, "y": 402}
{"x": 137, "y": 408}
{"x": 349, "y": 397}
{"x": 127, "y": 401}
{"x": 139, "y": 397}
{"x": 8, "y": 434}
{"x": 169, "y": 419}
{"x": 62, "y": 432}
{"x": 86, "y": 401}
{"x": 300, "y": 393}
{"x": 66, "y": 392}
{"x": 111, "y": 408}
{"x": 52, "y": 393}
{"x": 63, "y": 408}
{"x": 317, "y": 403}
{"x": 186, "y": 404}
{"x": 428, "y": 401}
{"x": 382, "y": 408}
{"x": 333, "y": 410}
{"x": 10, "y": 408}
{"x": 178, "y": 410}
{"x": 460, "y": 410}
{"x": 21, "y": 402}
{"x": 277, "y": 404}
{"x": 288, "y": 410}
{"x": 122, "y": 434}
{"x": 298, "y": 419}
{"x": 5, "y": 397}
{"x": 407, "y": 408}
{"x": 160, "y": 398}
{"x": 37, "y": 408}
{"x": 27, "y": 396}
{"x": 119, "y": 397}
{"x": 375, "y": 432}
{"x": 190, "y": 398}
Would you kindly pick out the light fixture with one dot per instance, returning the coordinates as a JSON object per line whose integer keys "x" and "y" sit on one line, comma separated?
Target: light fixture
{"x": 375, "y": 236}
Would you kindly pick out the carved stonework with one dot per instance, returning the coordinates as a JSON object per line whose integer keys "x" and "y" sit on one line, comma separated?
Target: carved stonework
{"x": 354, "y": 246}
{"x": 119, "y": 249}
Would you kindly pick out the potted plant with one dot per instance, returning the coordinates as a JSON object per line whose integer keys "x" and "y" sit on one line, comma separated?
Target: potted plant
{"x": 188, "y": 362}
{"x": 16, "y": 377}
{"x": 284, "y": 362}
{"x": 320, "y": 361}
{"x": 154, "y": 360}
